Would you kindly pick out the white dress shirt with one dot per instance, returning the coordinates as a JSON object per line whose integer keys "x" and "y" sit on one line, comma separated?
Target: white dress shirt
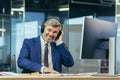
{"x": 49, "y": 52}
{"x": 43, "y": 42}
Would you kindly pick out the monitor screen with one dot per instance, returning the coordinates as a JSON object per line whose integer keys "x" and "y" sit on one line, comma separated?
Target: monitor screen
{"x": 95, "y": 38}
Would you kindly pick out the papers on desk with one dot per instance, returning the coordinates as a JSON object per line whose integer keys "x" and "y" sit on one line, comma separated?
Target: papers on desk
{"x": 79, "y": 74}
{"x": 8, "y": 74}
{"x": 70, "y": 74}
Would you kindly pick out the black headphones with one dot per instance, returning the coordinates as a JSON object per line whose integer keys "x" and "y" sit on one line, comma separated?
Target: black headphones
{"x": 43, "y": 25}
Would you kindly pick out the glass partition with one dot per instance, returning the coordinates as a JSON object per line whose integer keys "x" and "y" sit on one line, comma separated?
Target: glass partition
{"x": 78, "y": 10}
{"x": 5, "y": 26}
{"x": 27, "y": 18}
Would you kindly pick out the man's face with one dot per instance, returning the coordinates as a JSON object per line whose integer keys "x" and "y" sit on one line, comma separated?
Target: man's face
{"x": 50, "y": 33}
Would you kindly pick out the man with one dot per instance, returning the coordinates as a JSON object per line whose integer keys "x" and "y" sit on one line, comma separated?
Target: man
{"x": 31, "y": 58}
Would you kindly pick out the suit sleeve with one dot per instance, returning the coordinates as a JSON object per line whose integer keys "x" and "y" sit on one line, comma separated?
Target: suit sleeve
{"x": 67, "y": 59}
{"x": 23, "y": 60}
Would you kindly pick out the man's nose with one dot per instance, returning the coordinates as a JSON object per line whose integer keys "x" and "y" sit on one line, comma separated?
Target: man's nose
{"x": 51, "y": 33}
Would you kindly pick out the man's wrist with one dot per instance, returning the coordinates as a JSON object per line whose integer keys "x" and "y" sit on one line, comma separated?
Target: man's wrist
{"x": 42, "y": 69}
{"x": 59, "y": 43}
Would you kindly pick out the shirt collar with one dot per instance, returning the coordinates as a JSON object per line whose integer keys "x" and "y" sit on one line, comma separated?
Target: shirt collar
{"x": 43, "y": 41}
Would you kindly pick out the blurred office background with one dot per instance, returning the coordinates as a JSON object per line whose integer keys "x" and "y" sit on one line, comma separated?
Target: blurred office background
{"x": 21, "y": 19}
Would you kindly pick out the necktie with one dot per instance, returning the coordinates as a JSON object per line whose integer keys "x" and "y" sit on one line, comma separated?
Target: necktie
{"x": 46, "y": 55}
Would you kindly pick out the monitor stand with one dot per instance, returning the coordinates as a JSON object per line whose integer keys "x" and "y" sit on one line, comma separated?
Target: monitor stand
{"x": 111, "y": 59}
{"x": 112, "y": 56}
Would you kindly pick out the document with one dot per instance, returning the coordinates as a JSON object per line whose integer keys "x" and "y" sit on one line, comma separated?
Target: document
{"x": 70, "y": 74}
{"x": 8, "y": 74}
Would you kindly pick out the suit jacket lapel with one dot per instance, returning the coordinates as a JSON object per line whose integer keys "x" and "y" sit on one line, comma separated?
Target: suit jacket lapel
{"x": 53, "y": 54}
{"x": 38, "y": 48}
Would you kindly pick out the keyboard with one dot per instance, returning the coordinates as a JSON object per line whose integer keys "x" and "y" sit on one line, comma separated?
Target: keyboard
{"x": 104, "y": 74}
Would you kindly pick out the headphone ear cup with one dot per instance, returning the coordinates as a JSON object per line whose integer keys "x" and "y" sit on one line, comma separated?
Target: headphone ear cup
{"x": 42, "y": 28}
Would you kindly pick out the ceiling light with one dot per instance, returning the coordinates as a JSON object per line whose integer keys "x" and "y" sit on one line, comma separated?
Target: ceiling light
{"x": 63, "y": 9}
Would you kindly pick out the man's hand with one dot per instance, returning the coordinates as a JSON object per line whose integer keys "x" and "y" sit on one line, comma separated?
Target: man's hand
{"x": 47, "y": 70}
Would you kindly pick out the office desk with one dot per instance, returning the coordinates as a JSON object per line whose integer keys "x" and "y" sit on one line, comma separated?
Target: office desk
{"x": 28, "y": 77}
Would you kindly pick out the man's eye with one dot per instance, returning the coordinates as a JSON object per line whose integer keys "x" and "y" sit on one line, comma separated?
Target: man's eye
{"x": 49, "y": 30}
{"x": 55, "y": 32}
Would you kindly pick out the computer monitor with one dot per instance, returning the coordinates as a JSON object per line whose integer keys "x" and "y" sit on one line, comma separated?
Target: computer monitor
{"x": 95, "y": 38}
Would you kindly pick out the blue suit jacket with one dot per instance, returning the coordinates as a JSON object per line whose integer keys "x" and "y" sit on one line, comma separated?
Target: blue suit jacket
{"x": 30, "y": 56}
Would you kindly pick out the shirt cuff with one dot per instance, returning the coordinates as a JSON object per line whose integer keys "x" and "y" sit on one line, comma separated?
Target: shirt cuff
{"x": 59, "y": 43}
{"x": 42, "y": 69}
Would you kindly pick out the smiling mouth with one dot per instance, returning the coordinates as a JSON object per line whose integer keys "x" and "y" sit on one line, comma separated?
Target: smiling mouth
{"x": 50, "y": 37}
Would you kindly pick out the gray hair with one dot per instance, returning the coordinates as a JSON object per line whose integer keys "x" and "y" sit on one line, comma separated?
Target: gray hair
{"x": 53, "y": 22}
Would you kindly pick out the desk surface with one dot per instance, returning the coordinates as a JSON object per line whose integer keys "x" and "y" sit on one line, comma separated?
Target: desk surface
{"x": 43, "y": 77}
